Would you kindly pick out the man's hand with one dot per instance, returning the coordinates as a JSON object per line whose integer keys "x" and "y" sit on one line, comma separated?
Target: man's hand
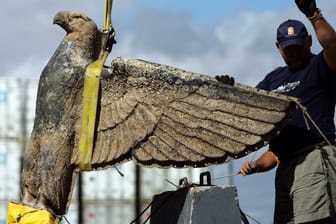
{"x": 248, "y": 168}
{"x": 307, "y": 7}
{"x": 267, "y": 161}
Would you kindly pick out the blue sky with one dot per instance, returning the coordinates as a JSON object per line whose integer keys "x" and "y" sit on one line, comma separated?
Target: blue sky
{"x": 232, "y": 36}
{"x": 235, "y": 37}
{"x": 215, "y": 8}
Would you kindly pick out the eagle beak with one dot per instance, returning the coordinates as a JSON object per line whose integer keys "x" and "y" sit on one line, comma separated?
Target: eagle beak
{"x": 61, "y": 19}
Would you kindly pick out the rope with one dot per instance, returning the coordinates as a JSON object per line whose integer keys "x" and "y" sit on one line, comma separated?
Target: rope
{"x": 166, "y": 179}
{"x": 254, "y": 219}
{"x": 227, "y": 176}
{"x": 306, "y": 116}
{"x": 66, "y": 220}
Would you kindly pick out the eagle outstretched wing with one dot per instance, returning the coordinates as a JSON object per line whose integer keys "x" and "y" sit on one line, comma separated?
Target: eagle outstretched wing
{"x": 153, "y": 114}
{"x": 162, "y": 116}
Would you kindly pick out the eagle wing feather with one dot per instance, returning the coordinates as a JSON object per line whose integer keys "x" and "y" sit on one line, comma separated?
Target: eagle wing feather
{"x": 163, "y": 116}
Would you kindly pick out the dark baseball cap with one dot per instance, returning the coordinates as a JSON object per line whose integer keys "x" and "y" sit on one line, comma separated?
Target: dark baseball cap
{"x": 291, "y": 32}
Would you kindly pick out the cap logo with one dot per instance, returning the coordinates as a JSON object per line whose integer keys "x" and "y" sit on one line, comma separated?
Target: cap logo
{"x": 290, "y": 31}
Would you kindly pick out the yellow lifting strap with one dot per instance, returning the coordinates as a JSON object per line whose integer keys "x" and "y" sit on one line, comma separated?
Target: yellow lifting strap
{"x": 26, "y": 215}
{"x": 90, "y": 97}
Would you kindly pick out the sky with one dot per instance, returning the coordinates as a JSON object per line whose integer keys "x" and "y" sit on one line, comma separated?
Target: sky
{"x": 234, "y": 37}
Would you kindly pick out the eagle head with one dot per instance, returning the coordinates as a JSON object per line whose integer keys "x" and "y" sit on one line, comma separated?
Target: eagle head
{"x": 82, "y": 33}
{"x": 75, "y": 22}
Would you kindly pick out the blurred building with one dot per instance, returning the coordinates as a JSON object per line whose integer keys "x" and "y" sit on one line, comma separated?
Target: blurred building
{"x": 108, "y": 197}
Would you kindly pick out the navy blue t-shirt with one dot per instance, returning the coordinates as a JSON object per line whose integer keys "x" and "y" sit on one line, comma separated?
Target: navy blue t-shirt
{"x": 315, "y": 86}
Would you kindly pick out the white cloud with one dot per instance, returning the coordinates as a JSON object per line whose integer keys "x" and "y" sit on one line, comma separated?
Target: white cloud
{"x": 242, "y": 46}
{"x": 27, "y": 68}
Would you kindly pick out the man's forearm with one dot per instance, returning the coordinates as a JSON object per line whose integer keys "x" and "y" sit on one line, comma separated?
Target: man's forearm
{"x": 266, "y": 162}
{"x": 326, "y": 36}
{"x": 325, "y": 33}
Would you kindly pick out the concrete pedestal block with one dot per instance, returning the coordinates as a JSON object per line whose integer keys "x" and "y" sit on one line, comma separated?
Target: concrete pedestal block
{"x": 197, "y": 205}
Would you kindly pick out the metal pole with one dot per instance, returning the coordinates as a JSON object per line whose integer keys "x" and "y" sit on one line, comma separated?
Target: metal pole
{"x": 23, "y": 121}
{"x": 80, "y": 199}
{"x": 110, "y": 212}
{"x": 137, "y": 192}
{"x": 230, "y": 172}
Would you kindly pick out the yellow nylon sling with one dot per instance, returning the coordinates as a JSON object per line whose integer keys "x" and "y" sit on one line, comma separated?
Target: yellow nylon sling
{"x": 90, "y": 99}
{"x": 26, "y": 215}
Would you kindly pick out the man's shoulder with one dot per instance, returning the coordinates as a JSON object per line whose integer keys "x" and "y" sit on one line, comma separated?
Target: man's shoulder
{"x": 276, "y": 72}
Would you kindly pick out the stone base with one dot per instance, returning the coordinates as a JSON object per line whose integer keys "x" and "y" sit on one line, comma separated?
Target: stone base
{"x": 197, "y": 205}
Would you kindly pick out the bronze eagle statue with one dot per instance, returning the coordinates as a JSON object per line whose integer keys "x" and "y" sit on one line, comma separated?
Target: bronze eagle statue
{"x": 153, "y": 114}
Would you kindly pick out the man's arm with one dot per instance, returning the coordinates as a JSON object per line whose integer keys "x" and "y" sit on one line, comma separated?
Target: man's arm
{"x": 327, "y": 37}
{"x": 266, "y": 162}
{"x": 325, "y": 33}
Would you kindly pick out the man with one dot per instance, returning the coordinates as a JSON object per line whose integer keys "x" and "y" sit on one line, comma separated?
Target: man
{"x": 306, "y": 175}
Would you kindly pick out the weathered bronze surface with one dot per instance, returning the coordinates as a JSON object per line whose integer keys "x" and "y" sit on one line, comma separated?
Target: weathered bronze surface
{"x": 48, "y": 172}
{"x": 164, "y": 116}
{"x": 154, "y": 114}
